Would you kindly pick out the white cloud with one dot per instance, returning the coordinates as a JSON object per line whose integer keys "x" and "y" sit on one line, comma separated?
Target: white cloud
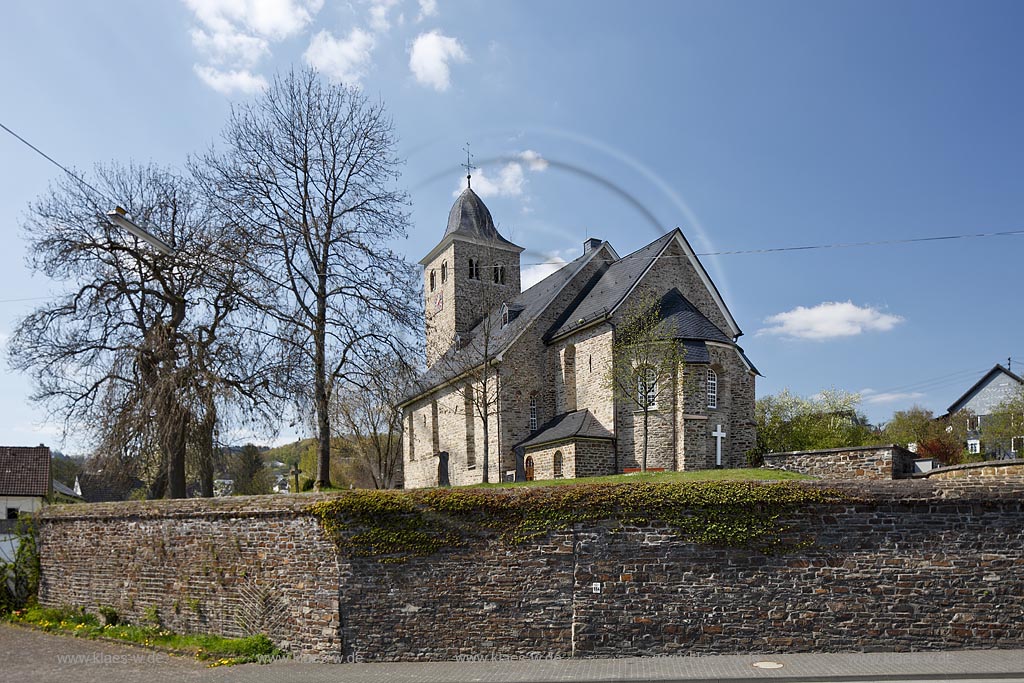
{"x": 228, "y": 82}
{"x": 428, "y": 8}
{"x": 829, "y": 320}
{"x": 430, "y": 56}
{"x": 531, "y": 275}
{"x": 272, "y": 19}
{"x": 871, "y": 396}
{"x": 345, "y": 60}
{"x": 508, "y": 182}
{"x": 534, "y": 160}
{"x": 379, "y": 10}
{"x": 230, "y": 48}
{"x": 234, "y": 35}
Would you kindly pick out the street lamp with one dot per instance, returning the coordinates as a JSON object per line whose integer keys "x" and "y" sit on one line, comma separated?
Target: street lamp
{"x": 120, "y": 218}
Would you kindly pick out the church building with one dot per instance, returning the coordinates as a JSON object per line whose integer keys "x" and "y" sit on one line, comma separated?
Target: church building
{"x": 526, "y": 372}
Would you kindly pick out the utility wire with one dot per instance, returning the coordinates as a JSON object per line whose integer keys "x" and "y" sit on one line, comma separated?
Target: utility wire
{"x": 54, "y": 162}
{"x": 733, "y": 252}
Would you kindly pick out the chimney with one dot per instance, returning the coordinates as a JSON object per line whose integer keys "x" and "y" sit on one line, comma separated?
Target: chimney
{"x": 591, "y": 244}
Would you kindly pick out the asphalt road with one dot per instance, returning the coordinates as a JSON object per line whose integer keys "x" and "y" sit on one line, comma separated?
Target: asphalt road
{"x": 29, "y": 656}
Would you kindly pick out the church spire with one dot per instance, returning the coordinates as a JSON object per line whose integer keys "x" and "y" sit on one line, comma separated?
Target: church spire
{"x": 468, "y": 166}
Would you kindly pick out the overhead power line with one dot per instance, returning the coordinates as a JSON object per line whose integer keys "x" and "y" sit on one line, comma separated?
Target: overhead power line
{"x": 54, "y": 162}
{"x": 731, "y": 252}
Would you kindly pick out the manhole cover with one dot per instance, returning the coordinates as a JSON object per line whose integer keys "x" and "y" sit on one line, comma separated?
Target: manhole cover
{"x": 768, "y": 665}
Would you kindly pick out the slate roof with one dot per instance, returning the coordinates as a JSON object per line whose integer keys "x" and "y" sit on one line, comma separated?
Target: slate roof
{"x": 60, "y": 488}
{"x": 579, "y": 424}
{"x": 685, "y": 321}
{"x": 491, "y": 334}
{"x": 470, "y": 217}
{"x": 99, "y": 487}
{"x": 959, "y": 403}
{"x": 24, "y": 471}
{"x": 612, "y": 288}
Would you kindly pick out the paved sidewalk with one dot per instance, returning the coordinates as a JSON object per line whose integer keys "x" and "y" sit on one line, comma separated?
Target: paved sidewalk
{"x": 27, "y": 655}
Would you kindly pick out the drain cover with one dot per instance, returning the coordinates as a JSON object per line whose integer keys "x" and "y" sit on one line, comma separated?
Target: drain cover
{"x": 768, "y": 665}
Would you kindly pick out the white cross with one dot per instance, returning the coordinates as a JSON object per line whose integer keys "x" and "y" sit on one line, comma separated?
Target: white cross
{"x": 719, "y": 435}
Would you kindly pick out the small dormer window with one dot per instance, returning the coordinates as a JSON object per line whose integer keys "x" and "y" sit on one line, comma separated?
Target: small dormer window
{"x": 444, "y": 272}
{"x": 433, "y": 280}
{"x": 504, "y": 315}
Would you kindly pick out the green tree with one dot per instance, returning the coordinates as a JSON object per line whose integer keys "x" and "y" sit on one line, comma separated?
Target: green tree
{"x": 250, "y": 475}
{"x": 646, "y": 361}
{"x": 830, "y": 419}
{"x": 940, "y": 438}
{"x": 1002, "y": 430}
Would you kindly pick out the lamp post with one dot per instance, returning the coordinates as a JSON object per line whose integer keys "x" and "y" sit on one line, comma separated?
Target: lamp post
{"x": 119, "y": 217}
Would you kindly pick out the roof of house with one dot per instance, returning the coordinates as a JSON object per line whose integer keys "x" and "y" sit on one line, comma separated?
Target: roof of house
{"x": 986, "y": 378}
{"x": 64, "y": 490}
{"x": 24, "y": 471}
{"x": 490, "y": 333}
{"x": 599, "y": 296}
{"x": 612, "y": 287}
{"x": 101, "y": 487}
{"x": 579, "y": 424}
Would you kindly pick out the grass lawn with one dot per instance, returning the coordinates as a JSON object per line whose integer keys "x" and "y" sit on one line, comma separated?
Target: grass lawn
{"x": 217, "y": 650}
{"x": 744, "y": 474}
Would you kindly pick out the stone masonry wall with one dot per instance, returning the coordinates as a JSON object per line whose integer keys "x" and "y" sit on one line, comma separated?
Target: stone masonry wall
{"x": 1010, "y": 470}
{"x": 868, "y": 462}
{"x": 907, "y": 565}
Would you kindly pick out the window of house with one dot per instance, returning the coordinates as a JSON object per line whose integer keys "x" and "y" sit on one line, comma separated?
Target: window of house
{"x": 1017, "y": 444}
{"x": 973, "y": 422}
{"x": 533, "y": 414}
{"x": 973, "y": 446}
{"x": 647, "y": 387}
{"x": 558, "y": 464}
{"x": 12, "y": 513}
{"x": 433, "y": 280}
{"x": 444, "y": 272}
{"x": 474, "y": 269}
{"x": 712, "y": 389}
{"x": 504, "y": 315}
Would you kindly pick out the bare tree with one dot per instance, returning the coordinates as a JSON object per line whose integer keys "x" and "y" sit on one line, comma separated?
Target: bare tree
{"x": 369, "y": 418}
{"x": 646, "y": 361}
{"x": 126, "y": 353}
{"x": 305, "y": 175}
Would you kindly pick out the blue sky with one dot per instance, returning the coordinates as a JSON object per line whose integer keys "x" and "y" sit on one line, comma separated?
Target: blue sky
{"x": 748, "y": 125}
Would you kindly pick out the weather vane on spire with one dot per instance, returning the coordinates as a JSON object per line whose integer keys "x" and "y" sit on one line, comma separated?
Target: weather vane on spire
{"x": 468, "y": 166}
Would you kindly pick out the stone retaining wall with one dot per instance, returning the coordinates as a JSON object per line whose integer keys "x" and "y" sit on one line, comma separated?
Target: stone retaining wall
{"x": 867, "y": 462}
{"x": 992, "y": 469}
{"x": 908, "y": 565}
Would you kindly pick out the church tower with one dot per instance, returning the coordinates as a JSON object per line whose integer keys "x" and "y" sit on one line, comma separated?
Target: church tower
{"x": 472, "y": 271}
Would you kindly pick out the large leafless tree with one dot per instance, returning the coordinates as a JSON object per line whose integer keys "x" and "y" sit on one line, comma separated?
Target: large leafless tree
{"x": 306, "y": 173}
{"x": 139, "y": 352}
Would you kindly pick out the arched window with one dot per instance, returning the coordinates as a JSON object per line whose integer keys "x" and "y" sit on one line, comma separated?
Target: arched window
{"x": 501, "y": 274}
{"x": 558, "y": 464}
{"x": 646, "y": 387}
{"x": 533, "y": 413}
{"x": 495, "y": 271}
{"x": 472, "y": 269}
{"x": 712, "y": 389}
{"x": 528, "y": 466}
{"x": 476, "y": 270}
{"x": 444, "y": 272}
{"x": 412, "y": 436}
{"x": 433, "y": 280}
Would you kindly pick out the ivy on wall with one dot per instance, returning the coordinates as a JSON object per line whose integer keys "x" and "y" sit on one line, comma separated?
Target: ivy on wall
{"x": 395, "y": 525}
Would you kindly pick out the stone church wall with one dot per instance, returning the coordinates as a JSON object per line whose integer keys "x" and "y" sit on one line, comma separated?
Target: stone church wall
{"x": 902, "y": 565}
